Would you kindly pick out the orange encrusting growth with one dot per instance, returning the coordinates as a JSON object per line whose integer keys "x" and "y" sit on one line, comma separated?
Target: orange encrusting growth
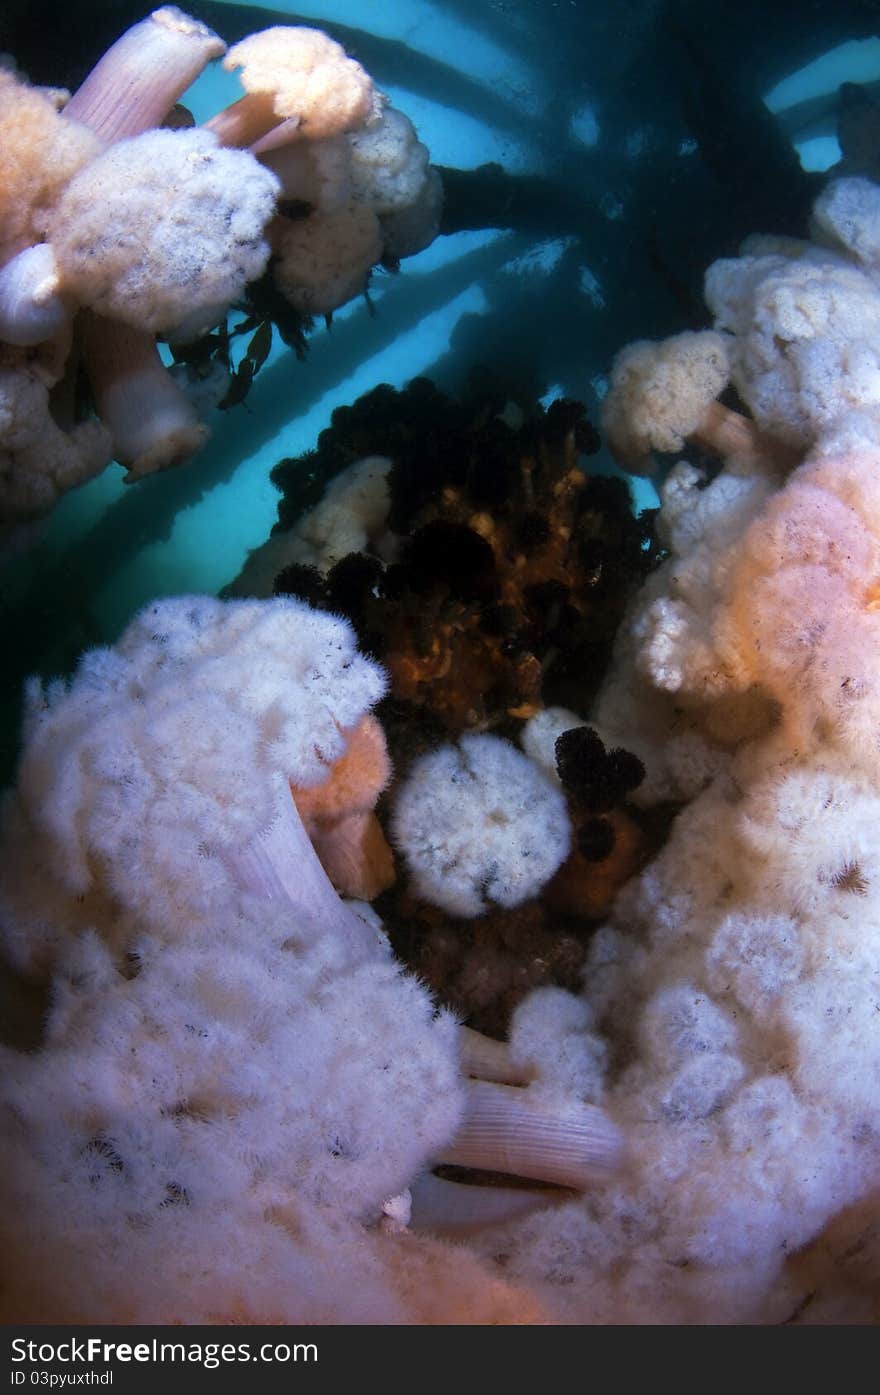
{"x": 585, "y": 887}
{"x": 339, "y": 818}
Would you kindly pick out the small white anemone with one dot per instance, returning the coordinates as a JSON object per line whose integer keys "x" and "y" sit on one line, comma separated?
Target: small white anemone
{"x": 479, "y": 824}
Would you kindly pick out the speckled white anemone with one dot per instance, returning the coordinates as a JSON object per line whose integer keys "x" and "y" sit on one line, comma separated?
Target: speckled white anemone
{"x": 161, "y": 226}
{"x": 479, "y": 825}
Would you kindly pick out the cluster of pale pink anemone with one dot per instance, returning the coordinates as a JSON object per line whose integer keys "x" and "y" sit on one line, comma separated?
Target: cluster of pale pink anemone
{"x": 120, "y": 221}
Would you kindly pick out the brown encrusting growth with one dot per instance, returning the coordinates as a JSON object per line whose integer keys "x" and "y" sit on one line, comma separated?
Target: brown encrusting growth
{"x": 483, "y": 968}
{"x": 512, "y": 565}
{"x": 495, "y": 590}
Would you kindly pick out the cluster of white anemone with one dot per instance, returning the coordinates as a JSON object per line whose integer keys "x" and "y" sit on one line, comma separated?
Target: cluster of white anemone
{"x": 239, "y": 1091}
{"x": 120, "y": 223}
